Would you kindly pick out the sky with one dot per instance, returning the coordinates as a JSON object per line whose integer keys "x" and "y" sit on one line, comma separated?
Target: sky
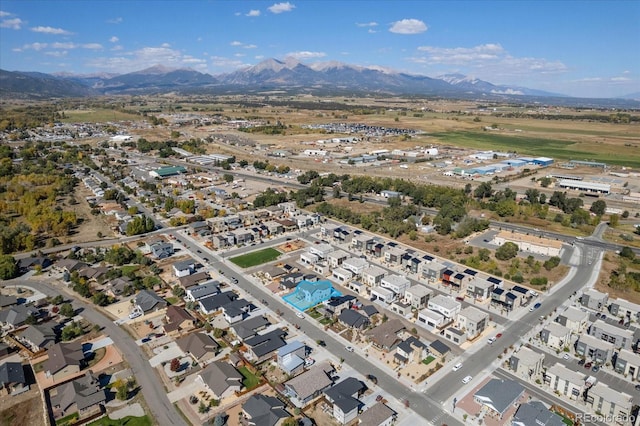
{"x": 578, "y": 48}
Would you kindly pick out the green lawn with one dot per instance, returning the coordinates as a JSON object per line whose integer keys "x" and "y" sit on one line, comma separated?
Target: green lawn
{"x": 128, "y": 421}
{"x": 67, "y": 420}
{"x": 428, "y": 359}
{"x": 256, "y": 258}
{"x": 127, "y": 269}
{"x": 250, "y": 380}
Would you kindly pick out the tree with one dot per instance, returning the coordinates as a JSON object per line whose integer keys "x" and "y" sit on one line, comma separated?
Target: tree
{"x": 290, "y": 421}
{"x": 177, "y": 290}
{"x": 228, "y": 177}
{"x": 507, "y": 251}
{"x": 101, "y": 299}
{"x": 67, "y": 310}
{"x": 598, "y": 207}
{"x": 203, "y": 408}
{"x": 532, "y": 195}
{"x": 8, "y": 267}
{"x": 175, "y": 364}
{"x": 57, "y": 300}
{"x": 483, "y": 191}
{"x": 625, "y": 214}
{"x": 627, "y": 253}
{"x": 122, "y": 389}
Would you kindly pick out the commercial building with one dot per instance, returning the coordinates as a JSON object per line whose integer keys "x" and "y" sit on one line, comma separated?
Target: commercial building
{"x": 530, "y": 243}
{"x": 593, "y": 187}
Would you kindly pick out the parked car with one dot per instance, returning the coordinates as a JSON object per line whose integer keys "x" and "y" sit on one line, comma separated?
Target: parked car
{"x": 460, "y": 298}
{"x": 457, "y": 367}
{"x": 565, "y": 356}
{"x": 467, "y": 379}
{"x": 581, "y": 362}
{"x": 300, "y": 315}
{"x": 373, "y": 379}
{"x": 491, "y": 340}
{"x": 588, "y": 365}
{"x": 534, "y": 307}
{"x": 637, "y": 387}
{"x": 349, "y": 348}
{"x": 595, "y": 368}
{"x": 499, "y": 335}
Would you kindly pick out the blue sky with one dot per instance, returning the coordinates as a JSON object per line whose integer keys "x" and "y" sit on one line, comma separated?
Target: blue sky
{"x": 579, "y": 48}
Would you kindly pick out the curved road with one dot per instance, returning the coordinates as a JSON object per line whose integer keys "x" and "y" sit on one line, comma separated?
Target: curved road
{"x": 152, "y": 388}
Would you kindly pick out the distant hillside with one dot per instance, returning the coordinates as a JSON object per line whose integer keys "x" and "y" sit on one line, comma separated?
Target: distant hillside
{"x": 157, "y": 78}
{"x": 32, "y": 85}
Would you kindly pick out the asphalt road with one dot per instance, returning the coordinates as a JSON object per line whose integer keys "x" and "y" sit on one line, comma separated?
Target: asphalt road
{"x": 152, "y": 388}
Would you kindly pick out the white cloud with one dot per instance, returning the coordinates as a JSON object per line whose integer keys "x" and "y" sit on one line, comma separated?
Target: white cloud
{"x": 166, "y": 45}
{"x": 281, "y": 7}
{"x": 114, "y": 39}
{"x": 92, "y": 46}
{"x": 620, "y": 79}
{"x": 253, "y": 12}
{"x": 367, "y": 24}
{"x": 14, "y": 24}
{"x": 66, "y": 45}
{"x": 4, "y": 14}
{"x": 51, "y": 30}
{"x": 487, "y": 61}
{"x": 146, "y": 57}
{"x": 116, "y": 48}
{"x": 227, "y": 64}
{"x": 117, "y": 20}
{"x": 306, "y": 55}
{"x": 408, "y": 26}
{"x": 239, "y": 55}
{"x": 371, "y": 31}
{"x": 57, "y": 53}
{"x": 35, "y": 46}
{"x": 236, "y": 43}
{"x": 249, "y": 46}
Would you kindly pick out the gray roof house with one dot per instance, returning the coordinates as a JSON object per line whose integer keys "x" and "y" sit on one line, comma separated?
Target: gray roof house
{"x": 353, "y": 319}
{"x": 64, "y": 356}
{"x": 82, "y": 394}
{"x": 6, "y": 300}
{"x": 498, "y": 395}
{"x": 16, "y": 316}
{"x": 38, "y": 337}
{"x": 535, "y": 413}
{"x": 262, "y": 346}
{"x": 221, "y": 378}
{"x": 308, "y": 385}
{"x": 344, "y": 397}
{"x": 148, "y": 301}
{"x": 250, "y": 326}
{"x": 262, "y": 410}
{"x": 198, "y": 345}
{"x": 12, "y": 377}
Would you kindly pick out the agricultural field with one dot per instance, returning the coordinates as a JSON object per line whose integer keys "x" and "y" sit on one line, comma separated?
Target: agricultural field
{"x": 256, "y": 258}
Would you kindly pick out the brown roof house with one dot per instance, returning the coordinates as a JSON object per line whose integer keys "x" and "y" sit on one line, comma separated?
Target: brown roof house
{"x": 64, "y": 359}
{"x": 221, "y": 379}
{"x": 385, "y": 336}
{"x": 83, "y": 395}
{"x": 200, "y": 346}
{"x": 177, "y": 321}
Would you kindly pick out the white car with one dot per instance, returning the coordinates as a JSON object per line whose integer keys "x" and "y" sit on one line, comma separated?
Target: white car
{"x": 467, "y": 379}
{"x": 457, "y": 367}
{"x": 491, "y": 340}
{"x": 565, "y": 356}
{"x": 349, "y": 348}
{"x": 300, "y": 315}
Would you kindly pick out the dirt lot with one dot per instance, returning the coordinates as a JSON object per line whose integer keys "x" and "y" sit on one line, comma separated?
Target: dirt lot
{"x": 90, "y": 225}
{"x": 610, "y": 264}
{"x": 290, "y": 246}
{"x": 24, "y": 409}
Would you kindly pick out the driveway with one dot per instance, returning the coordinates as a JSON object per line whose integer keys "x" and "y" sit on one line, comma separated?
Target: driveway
{"x": 173, "y": 351}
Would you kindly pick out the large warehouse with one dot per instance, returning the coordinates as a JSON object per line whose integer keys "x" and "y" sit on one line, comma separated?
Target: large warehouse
{"x": 598, "y": 188}
{"x": 529, "y": 243}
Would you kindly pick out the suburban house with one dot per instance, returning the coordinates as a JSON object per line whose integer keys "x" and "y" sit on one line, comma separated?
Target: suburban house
{"x": 263, "y": 346}
{"x": 344, "y": 397}
{"x": 565, "y": 381}
{"x": 320, "y": 250}
{"x": 335, "y": 305}
{"x": 377, "y": 415}
{"x": 594, "y": 299}
{"x": 396, "y": 283}
{"x": 64, "y": 359}
{"x": 410, "y": 350}
{"x": 200, "y": 346}
{"x": 211, "y": 304}
{"x": 291, "y": 357}
{"x": 83, "y": 395}
{"x": 555, "y": 336}
{"x": 16, "y": 316}
{"x": 499, "y": 395}
{"x": 12, "y": 379}
{"x": 393, "y": 254}
{"x": 628, "y": 363}
{"x": 262, "y": 410}
{"x": 185, "y": 267}
{"x": 624, "y": 309}
{"x": 432, "y": 320}
{"x": 382, "y": 296}
{"x": 372, "y": 276}
{"x": 574, "y": 319}
{"x": 619, "y": 337}
{"x": 335, "y": 258}
{"x": 304, "y": 388}
{"x": 417, "y": 296}
{"x": 604, "y": 399}
{"x": 432, "y": 271}
{"x": 160, "y": 249}
{"x": 536, "y": 413}
{"x": 315, "y": 292}
{"x": 6, "y": 300}
{"x": 386, "y": 336}
{"x": 250, "y": 327}
{"x": 341, "y": 275}
{"x": 148, "y": 301}
{"x": 177, "y": 321}
{"x": 527, "y": 363}
{"x": 472, "y": 321}
{"x": 446, "y": 305}
{"x": 221, "y": 378}
{"x": 480, "y": 288}
{"x": 194, "y": 279}
{"x": 439, "y": 349}
{"x": 356, "y": 265}
{"x": 595, "y": 349}
{"x": 38, "y": 337}
{"x": 236, "y": 310}
{"x": 455, "y": 335}
{"x": 353, "y": 319}
{"x": 199, "y": 292}
{"x": 503, "y": 299}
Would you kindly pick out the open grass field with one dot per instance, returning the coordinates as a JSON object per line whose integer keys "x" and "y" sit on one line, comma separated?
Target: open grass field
{"x": 256, "y": 258}
{"x": 559, "y": 149}
{"x": 97, "y": 116}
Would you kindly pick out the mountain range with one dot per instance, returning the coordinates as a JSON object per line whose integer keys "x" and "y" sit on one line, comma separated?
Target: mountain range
{"x": 284, "y": 76}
